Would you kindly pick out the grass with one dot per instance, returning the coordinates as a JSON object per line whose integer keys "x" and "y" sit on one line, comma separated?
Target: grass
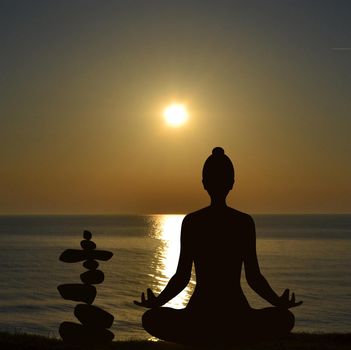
{"x": 295, "y": 341}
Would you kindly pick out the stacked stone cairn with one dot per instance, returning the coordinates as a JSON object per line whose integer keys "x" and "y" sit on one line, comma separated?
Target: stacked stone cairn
{"x": 95, "y": 321}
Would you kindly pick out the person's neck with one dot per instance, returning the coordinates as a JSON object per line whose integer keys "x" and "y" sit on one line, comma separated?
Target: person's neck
{"x": 218, "y": 202}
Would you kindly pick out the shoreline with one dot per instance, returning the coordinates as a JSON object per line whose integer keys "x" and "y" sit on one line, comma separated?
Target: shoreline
{"x": 295, "y": 341}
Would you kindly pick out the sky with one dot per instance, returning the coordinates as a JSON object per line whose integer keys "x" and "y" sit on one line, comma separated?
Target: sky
{"x": 84, "y": 83}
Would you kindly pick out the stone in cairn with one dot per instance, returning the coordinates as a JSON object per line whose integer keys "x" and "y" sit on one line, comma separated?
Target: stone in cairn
{"x": 95, "y": 321}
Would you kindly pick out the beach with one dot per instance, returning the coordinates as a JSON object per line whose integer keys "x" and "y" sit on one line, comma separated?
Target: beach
{"x": 298, "y": 341}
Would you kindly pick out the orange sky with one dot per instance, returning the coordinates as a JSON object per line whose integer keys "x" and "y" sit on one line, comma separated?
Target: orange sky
{"x": 84, "y": 88}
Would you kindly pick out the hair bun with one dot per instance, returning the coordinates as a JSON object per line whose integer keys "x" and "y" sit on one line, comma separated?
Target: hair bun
{"x": 218, "y": 151}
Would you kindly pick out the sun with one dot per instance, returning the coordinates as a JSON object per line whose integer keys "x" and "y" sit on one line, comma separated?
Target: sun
{"x": 175, "y": 114}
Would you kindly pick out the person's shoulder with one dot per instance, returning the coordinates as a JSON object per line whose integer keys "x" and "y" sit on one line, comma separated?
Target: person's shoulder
{"x": 244, "y": 217}
{"x": 196, "y": 215}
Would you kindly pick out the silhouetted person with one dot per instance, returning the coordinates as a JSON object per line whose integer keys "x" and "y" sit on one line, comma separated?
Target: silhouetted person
{"x": 218, "y": 240}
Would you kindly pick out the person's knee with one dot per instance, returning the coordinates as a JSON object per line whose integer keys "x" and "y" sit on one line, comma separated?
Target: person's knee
{"x": 290, "y": 320}
{"x": 287, "y": 320}
{"x": 148, "y": 320}
{"x": 162, "y": 323}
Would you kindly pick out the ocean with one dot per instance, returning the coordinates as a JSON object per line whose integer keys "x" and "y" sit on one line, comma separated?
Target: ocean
{"x": 309, "y": 254}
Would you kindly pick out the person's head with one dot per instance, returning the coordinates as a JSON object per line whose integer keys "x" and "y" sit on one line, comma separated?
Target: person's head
{"x": 218, "y": 174}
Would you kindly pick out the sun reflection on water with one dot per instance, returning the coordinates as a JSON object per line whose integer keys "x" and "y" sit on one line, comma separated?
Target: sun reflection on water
{"x": 167, "y": 228}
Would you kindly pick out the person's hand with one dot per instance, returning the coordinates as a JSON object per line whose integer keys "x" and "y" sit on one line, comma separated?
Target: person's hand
{"x": 150, "y": 302}
{"x": 286, "y": 302}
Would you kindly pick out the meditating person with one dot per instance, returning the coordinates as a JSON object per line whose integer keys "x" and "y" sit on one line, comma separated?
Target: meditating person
{"x": 218, "y": 240}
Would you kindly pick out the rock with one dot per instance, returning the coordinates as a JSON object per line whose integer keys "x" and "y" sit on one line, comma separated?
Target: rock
{"x": 77, "y": 292}
{"x": 91, "y": 264}
{"x": 76, "y": 255}
{"x": 92, "y": 277}
{"x": 87, "y": 245}
{"x": 87, "y": 235}
{"x": 93, "y": 316}
{"x": 101, "y": 255}
{"x": 77, "y": 334}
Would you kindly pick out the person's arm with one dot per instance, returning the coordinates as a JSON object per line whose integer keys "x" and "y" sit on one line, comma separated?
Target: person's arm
{"x": 256, "y": 280}
{"x": 180, "y": 279}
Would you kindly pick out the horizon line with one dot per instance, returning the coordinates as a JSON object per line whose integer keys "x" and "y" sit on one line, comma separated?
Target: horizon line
{"x": 176, "y": 213}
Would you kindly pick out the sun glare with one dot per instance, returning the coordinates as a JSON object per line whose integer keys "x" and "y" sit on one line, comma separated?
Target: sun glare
{"x": 167, "y": 230}
{"x": 175, "y": 115}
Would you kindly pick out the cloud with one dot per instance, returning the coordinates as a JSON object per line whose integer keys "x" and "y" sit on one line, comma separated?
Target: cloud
{"x": 341, "y": 48}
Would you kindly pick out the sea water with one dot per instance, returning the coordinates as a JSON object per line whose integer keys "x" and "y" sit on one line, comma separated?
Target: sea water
{"x": 309, "y": 254}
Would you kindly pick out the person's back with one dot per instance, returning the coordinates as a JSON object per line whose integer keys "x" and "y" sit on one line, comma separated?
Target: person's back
{"x": 218, "y": 238}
